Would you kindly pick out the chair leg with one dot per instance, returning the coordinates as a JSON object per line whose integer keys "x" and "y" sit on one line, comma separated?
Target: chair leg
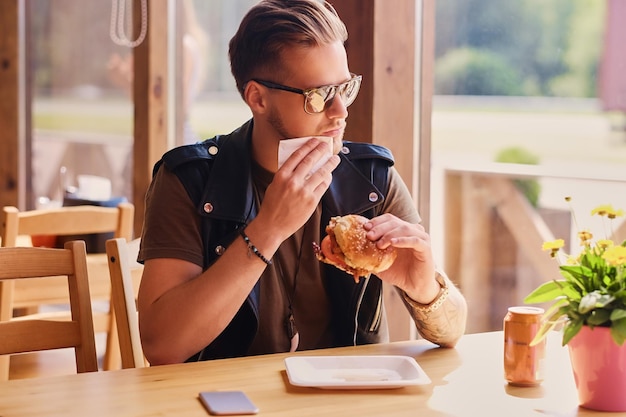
{"x": 6, "y": 313}
{"x": 112, "y": 357}
{"x": 4, "y": 367}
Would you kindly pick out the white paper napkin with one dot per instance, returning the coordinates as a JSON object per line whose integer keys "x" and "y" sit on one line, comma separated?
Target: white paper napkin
{"x": 288, "y": 146}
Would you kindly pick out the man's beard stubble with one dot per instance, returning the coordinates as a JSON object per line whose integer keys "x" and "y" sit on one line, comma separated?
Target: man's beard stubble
{"x": 276, "y": 121}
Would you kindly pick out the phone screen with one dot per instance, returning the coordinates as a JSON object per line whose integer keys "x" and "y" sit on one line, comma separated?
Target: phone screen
{"x": 222, "y": 403}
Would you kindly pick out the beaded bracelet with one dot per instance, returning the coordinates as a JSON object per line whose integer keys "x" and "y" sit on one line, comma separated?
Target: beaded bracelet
{"x": 252, "y": 248}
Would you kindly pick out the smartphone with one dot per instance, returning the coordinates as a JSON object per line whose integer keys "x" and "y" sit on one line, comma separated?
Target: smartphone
{"x": 227, "y": 403}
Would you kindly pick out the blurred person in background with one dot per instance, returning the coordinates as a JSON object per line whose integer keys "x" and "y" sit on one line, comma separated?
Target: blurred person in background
{"x": 195, "y": 44}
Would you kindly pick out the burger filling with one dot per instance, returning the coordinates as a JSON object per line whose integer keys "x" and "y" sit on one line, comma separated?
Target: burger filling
{"x": 330, "y": 252}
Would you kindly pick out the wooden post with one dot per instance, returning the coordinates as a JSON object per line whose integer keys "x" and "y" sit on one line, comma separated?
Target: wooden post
{"x": 475, "y": 257}
{"x": 10, "y": 107}
{"x": 382, "y": 47}
{"x": 150, "y": 95}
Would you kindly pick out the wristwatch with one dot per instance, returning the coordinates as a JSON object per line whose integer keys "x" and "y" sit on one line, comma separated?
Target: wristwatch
{"x": 433, "y": 305}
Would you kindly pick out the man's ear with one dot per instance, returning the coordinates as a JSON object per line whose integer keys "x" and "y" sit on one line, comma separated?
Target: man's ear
{"x": 255, "y": 96}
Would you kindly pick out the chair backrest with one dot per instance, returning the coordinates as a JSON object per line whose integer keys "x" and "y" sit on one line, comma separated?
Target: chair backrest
{"x": 67, "y": 221}
{"x": 28, "y": 335}
{"x": 125, "y": 274}
{"x": 70, "y": 222}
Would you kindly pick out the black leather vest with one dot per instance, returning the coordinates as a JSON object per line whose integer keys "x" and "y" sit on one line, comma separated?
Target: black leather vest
{"x": 216, "y": 175}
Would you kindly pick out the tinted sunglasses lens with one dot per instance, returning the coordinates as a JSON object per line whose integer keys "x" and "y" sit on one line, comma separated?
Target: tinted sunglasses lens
{"x": 350, "y": 90}
{"x": 316, "y": 99}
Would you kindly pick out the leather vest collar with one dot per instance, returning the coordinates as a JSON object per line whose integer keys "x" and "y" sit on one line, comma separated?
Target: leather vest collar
{"x": 229, "y": 191}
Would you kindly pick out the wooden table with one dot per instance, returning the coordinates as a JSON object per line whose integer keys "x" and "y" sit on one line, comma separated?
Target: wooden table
{"x": 466, "y": 381}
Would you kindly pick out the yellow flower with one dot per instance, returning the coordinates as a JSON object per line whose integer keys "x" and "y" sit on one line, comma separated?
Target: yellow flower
{"x": 591, "y": 291}
{"x": 615, "y": 256}
{"x": 608, "y": 211}
{"x": 585, "y": 237}
{"x": 553, "y": 246}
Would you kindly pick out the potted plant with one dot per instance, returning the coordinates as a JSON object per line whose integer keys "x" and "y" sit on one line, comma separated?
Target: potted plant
{"x": 590, "y": 302}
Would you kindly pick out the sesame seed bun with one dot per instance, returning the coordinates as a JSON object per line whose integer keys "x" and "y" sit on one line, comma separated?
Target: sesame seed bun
{"x": 347, "y": 248}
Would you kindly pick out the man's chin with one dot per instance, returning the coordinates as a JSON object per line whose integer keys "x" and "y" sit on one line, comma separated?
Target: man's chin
{"x": 337, "y": 144}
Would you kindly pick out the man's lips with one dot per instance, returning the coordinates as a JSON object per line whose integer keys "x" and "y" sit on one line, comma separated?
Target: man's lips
{"x": 337, "y": 131}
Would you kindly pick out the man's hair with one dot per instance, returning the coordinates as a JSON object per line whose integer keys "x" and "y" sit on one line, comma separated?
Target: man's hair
{"x": 273, "y": 25}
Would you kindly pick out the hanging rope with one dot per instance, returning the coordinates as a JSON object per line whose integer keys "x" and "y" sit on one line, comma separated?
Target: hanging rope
{"x": 118, "y": 23}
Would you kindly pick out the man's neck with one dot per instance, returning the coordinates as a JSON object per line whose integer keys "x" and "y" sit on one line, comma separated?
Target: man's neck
{"x": 264, "y": 148}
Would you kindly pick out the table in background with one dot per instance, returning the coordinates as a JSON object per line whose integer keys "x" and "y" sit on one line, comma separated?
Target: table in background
{"x": 466, "y": 381}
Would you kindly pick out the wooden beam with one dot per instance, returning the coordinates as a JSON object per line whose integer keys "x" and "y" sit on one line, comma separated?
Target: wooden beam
{"x": 9, "y": 132}
{"x": 528, "y": 229}
{"x": 150, "y": 95}
{"x": 358, "y": 15}
{"x": 425, "y": 92}
{"x": 10, "y": 107}
{"x": 475, "y": 257}
{"x": 382, "y": 47}
{"x": 453, "y": 225}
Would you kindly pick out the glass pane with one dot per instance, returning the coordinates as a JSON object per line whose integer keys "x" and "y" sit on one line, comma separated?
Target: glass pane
{"x": 82, "y": 112}
{"x": 539, "y": 83}
{"x": 82, "y": 80}
{"x": 214, "y": 105}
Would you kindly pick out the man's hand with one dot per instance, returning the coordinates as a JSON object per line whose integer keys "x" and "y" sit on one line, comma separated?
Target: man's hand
{"x": 414, "y": 268}
{"x": 293, "y": 195}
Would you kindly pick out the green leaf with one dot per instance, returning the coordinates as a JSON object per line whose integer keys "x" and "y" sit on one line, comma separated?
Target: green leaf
{"x": 547, "y": 291}
{"x": 598, "y": 317}
{"x": 549, "y": 321}
{"x": 554, "y": 312}
{"x": 570, "y": 330}
{"x": 618, "y": 314}
{"x": 545, "y": 328}
{"x": 618, "y": 331}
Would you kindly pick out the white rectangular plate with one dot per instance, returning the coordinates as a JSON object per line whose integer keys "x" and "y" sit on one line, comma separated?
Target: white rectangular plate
{"x": 354, "y": 372}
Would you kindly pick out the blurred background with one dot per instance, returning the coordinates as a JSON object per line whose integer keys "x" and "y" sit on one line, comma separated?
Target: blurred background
{"x": 507, "y": 74}
{"x": 536, "y": 83}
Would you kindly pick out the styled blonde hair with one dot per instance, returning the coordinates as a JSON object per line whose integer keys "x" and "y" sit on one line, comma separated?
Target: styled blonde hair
{"x": 273, "y": 25}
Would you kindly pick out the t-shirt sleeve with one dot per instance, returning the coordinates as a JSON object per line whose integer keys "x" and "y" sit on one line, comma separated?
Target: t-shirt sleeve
{"x": 171, "y": 226}
{"x": 399, "y": 201}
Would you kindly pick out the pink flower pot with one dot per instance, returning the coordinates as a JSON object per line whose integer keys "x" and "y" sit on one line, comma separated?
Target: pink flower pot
{"x": 599, "y": 366}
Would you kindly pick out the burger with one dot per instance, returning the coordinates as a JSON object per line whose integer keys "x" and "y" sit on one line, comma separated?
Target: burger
{"x": 346, "y": 247}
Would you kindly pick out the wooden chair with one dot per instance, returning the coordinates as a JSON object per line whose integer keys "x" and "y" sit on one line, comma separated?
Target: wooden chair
{"x": 19, "y": 335}
{"x": 125, "y": 274}
{"x": 18, "y": 227}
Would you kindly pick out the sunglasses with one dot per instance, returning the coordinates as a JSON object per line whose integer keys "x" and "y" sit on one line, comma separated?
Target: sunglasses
{"x": 317, "y": 99}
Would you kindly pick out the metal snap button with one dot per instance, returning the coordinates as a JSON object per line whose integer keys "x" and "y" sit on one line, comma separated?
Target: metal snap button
{"x": 345, "y": 150}
{"x": 373, "y": 197}
{"x": 208, "y": 207}
{"x": 220, "y": 249}
{"x": 213, "y": 150}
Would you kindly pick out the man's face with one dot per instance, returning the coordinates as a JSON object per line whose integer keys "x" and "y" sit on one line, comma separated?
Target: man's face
{"x": 310, "y": 67}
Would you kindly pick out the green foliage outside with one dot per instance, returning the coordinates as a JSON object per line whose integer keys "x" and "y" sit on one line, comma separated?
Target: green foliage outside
{"x": 516, "y": 155}
{"x": 552, "y": 47}
{"x": 476, "y": 72}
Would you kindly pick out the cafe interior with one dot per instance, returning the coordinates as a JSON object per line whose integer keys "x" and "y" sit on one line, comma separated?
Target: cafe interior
{"x": 494, "y": 111}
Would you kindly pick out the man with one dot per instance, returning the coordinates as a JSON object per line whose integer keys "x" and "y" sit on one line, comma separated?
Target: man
{"x": 227, "y": 242}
